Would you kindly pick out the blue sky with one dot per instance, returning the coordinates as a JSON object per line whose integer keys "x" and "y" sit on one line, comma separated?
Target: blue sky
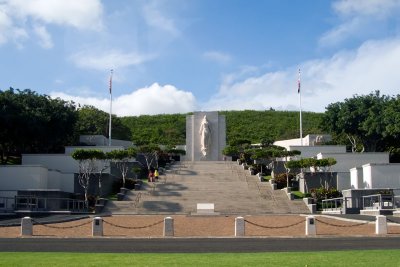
{"x": 178, "y": 56}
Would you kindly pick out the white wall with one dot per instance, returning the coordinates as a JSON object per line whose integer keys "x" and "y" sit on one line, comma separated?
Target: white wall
{"x": 23, "y": 177}
{"x": 343, "y": 181}
{"x": 61, "y": 181}
{"x": 356, "y": 177}
{"x": 312, "y": 151}
{"x": 309, "y": 140}
{"x": 54, "y": 179}
{"x": 96, "y": 140}
{"x": 347, "y": 161}
{"x": 381, "y": 175}
{"x": 100, "y": 140}
{"x": 67, "y": 182}
{"x": 61, "y": 162}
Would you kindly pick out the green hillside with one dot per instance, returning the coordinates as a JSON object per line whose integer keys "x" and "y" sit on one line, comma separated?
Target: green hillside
{"x": 249, "y": 124}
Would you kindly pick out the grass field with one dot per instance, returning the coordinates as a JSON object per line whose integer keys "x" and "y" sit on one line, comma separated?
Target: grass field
{"x": 332, "y": 258}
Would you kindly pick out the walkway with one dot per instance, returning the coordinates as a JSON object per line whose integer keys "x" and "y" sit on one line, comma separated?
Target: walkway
{"x": 231, "y": 189}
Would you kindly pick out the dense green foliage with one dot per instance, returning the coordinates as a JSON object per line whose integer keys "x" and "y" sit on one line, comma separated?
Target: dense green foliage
{"x": 368, "y": 122}
{"x": 166, "y": 129}
{"x": 258, "y": 126}
{"x": 323, "y": 258}
{"x": 251, "y": 125}
{"x": 96, "y": 122}
{"x": 32, "y": 123}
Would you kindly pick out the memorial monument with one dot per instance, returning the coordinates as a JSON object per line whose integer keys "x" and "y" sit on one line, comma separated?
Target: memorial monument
{"x": 205, "y": 136}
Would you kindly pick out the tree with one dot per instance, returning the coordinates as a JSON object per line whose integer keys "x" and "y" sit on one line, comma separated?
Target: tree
{"x": 391, "y": 120}
{"x": 103, "y": 160}
{"x": 150, "y": 153}
{"x": 360, "y": 119}
{"x": 301, "y": 164}
{"x": 92, "y": 121}
{"x": 86, "y": 160}
{"x": 33, "y": 123}
{"x": 121, "y": 159}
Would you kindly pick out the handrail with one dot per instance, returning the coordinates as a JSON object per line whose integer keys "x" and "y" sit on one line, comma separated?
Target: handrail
{"x": 378, "y": 201}
{"x": 34, "y": 203}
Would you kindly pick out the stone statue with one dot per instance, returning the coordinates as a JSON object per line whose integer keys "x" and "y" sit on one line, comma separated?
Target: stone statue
{"x": 205, "y": 136}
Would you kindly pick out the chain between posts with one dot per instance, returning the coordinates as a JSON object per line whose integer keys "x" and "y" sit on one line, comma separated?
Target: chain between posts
{"x": 133, "y": 227}
{"x": 274, "y": 227}
{"x": 60, "y": 227}
{"x": 338, "y": 225}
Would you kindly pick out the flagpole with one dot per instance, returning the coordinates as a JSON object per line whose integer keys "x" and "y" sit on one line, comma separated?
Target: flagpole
{"x": 109, "y": 128}
{"x": 301, "y": 123}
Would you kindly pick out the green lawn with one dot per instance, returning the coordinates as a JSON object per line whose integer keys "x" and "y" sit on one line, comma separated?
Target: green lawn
{"x": 332, "y": 258}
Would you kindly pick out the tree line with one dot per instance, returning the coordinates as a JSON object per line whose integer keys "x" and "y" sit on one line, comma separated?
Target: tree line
{"x": 365, "y": 122}
{"x": 34, "y": 123}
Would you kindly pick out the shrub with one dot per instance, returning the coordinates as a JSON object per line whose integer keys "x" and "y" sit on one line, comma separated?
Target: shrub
{"x": 323, "y": 193}
{"x": 280, "y": 180}
{"x": 129, "y": 183}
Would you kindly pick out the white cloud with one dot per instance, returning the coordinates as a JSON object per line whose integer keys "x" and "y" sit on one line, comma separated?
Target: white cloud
{"x": 155, "y": 16}
{"x": 380, "y": 8}
{"x": 151, "y": 100}
{"x": 218, "y": 57}
{"x": 103, "y": 60}
{"x": 359, "y": 18}
{"x": 44, "y": 36}
{"x": 373, "y": 66}
{"x": 17, "y": 16}
{"x": 79, "y": 14}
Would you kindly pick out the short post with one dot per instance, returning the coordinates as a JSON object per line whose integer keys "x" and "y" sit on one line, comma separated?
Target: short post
{"x": 381, "y": 225}
{"x": 26, "y": 226}
{"x": 97, "y": 226}
{"x": 310, "y": 226}
{"x": 239, "y": 226}
{"x": 168, "y": 226}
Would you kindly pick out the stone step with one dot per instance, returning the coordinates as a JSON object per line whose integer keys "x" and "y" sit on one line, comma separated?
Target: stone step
{"x": 225, "y": 184}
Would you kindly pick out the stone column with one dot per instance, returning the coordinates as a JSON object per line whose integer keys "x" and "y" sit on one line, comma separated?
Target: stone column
{"x": 239, "y": 226}
{"x": 97, "y": 226}
{"x": 310, "y": 226}
{"x": 168, "y": 226}
{"x": 26, "y": 226}
{"x": 381, "y": 225}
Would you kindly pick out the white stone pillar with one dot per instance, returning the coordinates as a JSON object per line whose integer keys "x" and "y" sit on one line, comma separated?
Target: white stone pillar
{"x": 97, "y": 226}
{"x": 239, "y": 226}
{"x": 168, "y": 226}
{"x": 26, "y": 226}
{"x": 310, "y": 226}
{"x": 381, "y": 225}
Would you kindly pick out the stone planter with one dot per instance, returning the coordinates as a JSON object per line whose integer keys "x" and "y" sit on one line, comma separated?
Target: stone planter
{"x": 120, "y": 196}
{"x": 251, "y": 171}
{"x": 123, "y": 190}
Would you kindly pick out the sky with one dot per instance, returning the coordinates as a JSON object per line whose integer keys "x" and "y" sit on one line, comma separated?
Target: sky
{"x": 179, "y": 56}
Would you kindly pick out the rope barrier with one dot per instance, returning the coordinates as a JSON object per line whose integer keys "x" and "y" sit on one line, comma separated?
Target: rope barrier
{"x": 133, "y": 227}
{"x": 338, "y": 225}
{"x": 274, "y": 227}
{"x": 60, "y": 227}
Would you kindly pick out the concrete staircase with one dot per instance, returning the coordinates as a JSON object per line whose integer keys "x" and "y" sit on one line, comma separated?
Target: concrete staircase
{"x": 231, "y": 189}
